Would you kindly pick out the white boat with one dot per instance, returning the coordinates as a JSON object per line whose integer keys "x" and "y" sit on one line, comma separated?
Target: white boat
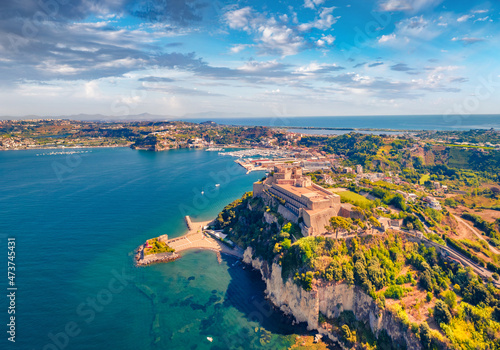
{"x": 210, "y": 339}
{"x": 217, "y": 185}
{"x": 202, "y": 192}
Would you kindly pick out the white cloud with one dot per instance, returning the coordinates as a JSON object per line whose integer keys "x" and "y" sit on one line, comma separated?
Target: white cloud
{"x": 314, "y": 67}
{"x": 255, "y": 66}
{"x": 312, "y": 3}
{"x": 91, "y": 89}
{"x": 238, "y": 48}
{"x": 483, "y": 19}
{"x": 325, "y": 39}
{"x": 323, "y": 22}
{"x": 386, "y": 38}
{"x": 239, "y": 19}
{"x": 480, "y": 11}
{"x": 272, "y": 36}
{"x": 408, "y": 5}
{"x": 416, "y": 29}
{"x": 467, "y": 40}
{"x": 464, "y": 18}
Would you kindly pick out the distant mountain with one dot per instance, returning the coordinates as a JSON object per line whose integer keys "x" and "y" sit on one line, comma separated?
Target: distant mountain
{"x": 138, "y": 117}
{"x": 215, "y": 115}
{"x": 101, "y": 117}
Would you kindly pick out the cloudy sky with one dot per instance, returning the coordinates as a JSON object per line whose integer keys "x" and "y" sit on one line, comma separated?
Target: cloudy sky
{"x": 262, "y": 58}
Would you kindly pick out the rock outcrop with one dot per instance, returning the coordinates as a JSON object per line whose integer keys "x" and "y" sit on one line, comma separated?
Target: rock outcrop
{"x": 330, "y": 300}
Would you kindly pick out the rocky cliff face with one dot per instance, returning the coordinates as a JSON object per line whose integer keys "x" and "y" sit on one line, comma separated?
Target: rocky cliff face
{"x": 330, "y": 300}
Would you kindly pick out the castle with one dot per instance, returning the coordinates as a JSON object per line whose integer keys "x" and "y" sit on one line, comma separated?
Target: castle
{"x": 302, "y": 201}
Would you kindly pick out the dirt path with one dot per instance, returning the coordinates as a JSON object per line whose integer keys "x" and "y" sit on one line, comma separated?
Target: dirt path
{"x": 476, "y": 233}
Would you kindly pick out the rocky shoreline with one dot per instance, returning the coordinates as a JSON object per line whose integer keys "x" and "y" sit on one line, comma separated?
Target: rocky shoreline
{"x": 329, "y": 300}
{"x": 144, "y": 260}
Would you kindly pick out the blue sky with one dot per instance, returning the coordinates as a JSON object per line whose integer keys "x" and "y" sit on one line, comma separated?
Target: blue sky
{"x": 260, "y": 58}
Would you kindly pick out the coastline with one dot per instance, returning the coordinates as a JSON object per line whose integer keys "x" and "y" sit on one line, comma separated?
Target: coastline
{"x": 194, "y": 238}
{"x": 60, "y": 148}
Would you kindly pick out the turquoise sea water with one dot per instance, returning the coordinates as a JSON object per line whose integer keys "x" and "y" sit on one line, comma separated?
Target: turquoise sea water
{"x": 77, "y": 219}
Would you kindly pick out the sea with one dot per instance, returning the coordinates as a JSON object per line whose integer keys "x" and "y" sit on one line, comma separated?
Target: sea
{"x": 76, "y": 219}
{"x": 395, "y": 122}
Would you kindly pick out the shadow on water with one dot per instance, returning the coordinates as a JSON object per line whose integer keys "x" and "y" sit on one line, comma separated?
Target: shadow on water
{"x": 246, "y": 293}
{"x": 236, "y": 317}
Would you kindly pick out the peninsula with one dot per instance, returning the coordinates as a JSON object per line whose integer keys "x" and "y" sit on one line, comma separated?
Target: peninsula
{"x": 373, "y": 241}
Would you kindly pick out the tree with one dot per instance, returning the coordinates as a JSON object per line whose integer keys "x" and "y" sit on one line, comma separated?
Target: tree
{"x": 373, "y": 222}
{"x": 450, "y": 298}
{"x": 426, "y": 280}
{"x": 425, "y": 335}
{"x": 442, "y": 313}
{"x": 337, "y": 223}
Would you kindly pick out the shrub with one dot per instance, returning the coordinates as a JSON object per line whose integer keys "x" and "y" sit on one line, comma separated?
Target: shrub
{"x": 450, "y": 298}
{"x": 394, "y": 292}
{"x": 442, "y": 313}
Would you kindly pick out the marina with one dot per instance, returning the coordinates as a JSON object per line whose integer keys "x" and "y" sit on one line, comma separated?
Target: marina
{"x": 258, "y": 152}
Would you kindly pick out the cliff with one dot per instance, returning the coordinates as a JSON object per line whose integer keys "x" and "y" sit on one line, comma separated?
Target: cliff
{"x": 329, "y": 300}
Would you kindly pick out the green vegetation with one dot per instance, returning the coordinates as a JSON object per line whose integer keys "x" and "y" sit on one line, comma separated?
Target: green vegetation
{"x": 358, "y": 148}
{"x": 156, "y": 247}
{"x": 394, "y": 292}
{"x": 487, "y": 227}
{"x": 388, "y": 268}
{"x": 354, "y": 198}
{"x": 424, "y": 178}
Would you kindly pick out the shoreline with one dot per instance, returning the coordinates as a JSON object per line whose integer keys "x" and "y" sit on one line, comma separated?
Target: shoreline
{"x": 119, "y": 146}
{"x": 58, "y": 148}
{"x": 194, "y": 238}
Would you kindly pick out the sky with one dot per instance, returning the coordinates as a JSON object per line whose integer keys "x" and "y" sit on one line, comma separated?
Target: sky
{"x": 249, "y": 58}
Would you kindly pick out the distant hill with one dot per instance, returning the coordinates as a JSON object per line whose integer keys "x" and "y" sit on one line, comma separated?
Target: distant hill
{"x": 135, "y": 117}
{"x": 100, "y": 117}
{"x": 214, "y": 115}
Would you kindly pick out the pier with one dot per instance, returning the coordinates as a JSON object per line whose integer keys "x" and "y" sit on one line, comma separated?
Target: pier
{"x": 195, "y": 238}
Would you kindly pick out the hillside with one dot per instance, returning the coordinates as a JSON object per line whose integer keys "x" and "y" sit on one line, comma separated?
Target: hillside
{"x": 441, "y": 303}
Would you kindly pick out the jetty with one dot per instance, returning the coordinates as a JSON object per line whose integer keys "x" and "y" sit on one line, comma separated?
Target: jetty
{"x": 195, "y": 238}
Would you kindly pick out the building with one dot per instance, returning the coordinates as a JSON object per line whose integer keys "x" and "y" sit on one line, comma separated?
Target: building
{"x": 359, "y": 169}
{"x": 432, "y": 203}
{"x": 412, "y": 197}
{"x": 302, "y": 201}
{"x": 328, "y": 179}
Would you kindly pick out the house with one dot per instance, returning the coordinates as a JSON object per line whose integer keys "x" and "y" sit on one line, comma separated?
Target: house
{"x": 412, "y": 197}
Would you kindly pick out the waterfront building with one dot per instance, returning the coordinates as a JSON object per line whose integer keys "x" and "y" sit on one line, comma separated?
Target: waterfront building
{"x": 301, "y": 201}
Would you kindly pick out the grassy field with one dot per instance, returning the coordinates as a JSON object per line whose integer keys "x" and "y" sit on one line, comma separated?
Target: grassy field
{"x": 352, "y": 197}
{"x": 458, "y": 158}
{"x": 424, "y": 178}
